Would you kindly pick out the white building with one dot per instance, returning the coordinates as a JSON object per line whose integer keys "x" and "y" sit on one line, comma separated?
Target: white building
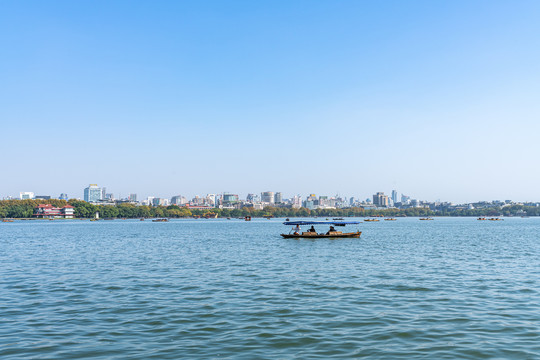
{"x": 267, "y": 197}
{"x": 93, "y": 193}
{"x": 26, "y": 195}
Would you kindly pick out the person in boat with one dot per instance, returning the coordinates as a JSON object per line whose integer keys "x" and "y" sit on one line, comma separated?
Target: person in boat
{"x": 331, "y": 229}
{"x": 296, "y": 229}
{"x": 312, "y": 229}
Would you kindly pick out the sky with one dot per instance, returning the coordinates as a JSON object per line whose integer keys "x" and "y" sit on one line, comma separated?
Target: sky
{"x": 436, "y": 99}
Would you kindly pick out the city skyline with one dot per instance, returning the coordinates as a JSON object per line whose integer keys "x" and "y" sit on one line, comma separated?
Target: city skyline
{"x": 383, "y": 198}
{"x": 439, "y": 100}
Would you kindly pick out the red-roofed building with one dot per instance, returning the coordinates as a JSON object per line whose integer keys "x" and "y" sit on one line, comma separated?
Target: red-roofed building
{"x": 47, "y": 211}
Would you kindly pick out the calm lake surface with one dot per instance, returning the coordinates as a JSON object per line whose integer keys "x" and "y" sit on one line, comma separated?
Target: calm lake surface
{"x": 452, "y": 288}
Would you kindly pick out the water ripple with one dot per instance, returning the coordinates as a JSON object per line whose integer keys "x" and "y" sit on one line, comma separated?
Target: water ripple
{"x": 454, "y": 288}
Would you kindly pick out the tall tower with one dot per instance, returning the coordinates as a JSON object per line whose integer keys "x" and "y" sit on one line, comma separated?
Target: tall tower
{"x": 394, "y": 196}
{"x": 92, "y": 193}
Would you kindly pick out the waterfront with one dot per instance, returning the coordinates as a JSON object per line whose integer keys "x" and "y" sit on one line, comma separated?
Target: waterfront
{"x": 450, "y": 288}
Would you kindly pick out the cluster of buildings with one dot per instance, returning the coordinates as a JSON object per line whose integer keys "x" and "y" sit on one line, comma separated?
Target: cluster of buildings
{"x": 99, "y": 195}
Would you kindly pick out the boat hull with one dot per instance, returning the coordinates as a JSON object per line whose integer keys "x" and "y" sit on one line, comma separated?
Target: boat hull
{"x": 319, "y": 236}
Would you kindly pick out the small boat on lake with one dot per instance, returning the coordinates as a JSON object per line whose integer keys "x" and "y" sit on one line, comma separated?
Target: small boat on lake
{"x": 7, "y": 220}
{"x": 390, "y": 219}
{"x": 427, "y": 218}
{"x": 160, "y": 220}
{"x": 481, "y": 219}
{"x": 371, "y": 220}
{"x": 312, "y": 234}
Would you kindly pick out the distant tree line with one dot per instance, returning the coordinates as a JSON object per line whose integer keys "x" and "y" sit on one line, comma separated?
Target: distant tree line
{"x": 25, "y": 209}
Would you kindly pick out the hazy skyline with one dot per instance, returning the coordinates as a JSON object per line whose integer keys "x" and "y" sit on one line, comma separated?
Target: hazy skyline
{"x": 438, "y": 100}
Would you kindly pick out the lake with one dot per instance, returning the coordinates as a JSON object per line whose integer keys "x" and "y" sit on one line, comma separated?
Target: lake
{"x": 452, "y": 288}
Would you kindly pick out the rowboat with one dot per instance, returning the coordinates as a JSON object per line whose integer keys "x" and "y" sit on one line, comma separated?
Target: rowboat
{"x": 312, "y": 234}
{"x": 330, "y": 234}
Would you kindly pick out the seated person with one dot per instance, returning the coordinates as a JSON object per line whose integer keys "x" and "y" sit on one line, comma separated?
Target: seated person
{"x": 312, "y": 229}
{"x": 331, "y": 230}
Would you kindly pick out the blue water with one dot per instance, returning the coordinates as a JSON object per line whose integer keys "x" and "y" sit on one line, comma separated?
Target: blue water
{"x": 453, "y": 288}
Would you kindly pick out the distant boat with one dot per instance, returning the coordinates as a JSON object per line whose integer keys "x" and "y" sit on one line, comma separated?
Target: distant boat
{"x": 247, "y": 218}
{"x": 142, "y": 219}
{"x": 7, "y": 220}
{"x": 495, "y": 219}
{"x": 160, "y": 220}
{"x": 427, "y": 218}
{"x": 481, "y": 218}
{"x": 390, "y": 219}
{"x": 371, "y": 220}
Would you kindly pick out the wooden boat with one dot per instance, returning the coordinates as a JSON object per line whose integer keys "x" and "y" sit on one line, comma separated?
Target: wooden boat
{"x": 495, "y": 219}
{"x": 7, "y": 220}
{"x": 371, "y": 220}
{"x": 428, "y": 218}
{"x": 160, "y": 220}
{"x": 247, "y": 218}
{"x": 330, "y": 234}
{"x": 481, "y": 218}
{"x": 142, "y": 219}
{"x": 390, "y": 219}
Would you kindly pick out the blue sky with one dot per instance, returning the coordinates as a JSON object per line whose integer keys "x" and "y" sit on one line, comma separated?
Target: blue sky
{"x": 437, "y": 99}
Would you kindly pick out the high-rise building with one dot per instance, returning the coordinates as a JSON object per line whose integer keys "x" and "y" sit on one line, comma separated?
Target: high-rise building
{"x": 211, "y": 199}
{"x": 93, "y": 193}
{"x": 405, "y": 199}
{"x": 297, "y": 201}
{"x": 63, "y": 196}
{"x": 26, "y": 195}
{"x": 278, "y": 198}
{"x": 160, "y": 202}
{"x": 267, "y": 197}
{"x": 394, "y": 196}
{"x": 103, "y": 193}
{"x": 132, "y": 197}
{"x": 178, "y": 200}
{"x": 230, "y": 198}
{"x": 381, "y": 200}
